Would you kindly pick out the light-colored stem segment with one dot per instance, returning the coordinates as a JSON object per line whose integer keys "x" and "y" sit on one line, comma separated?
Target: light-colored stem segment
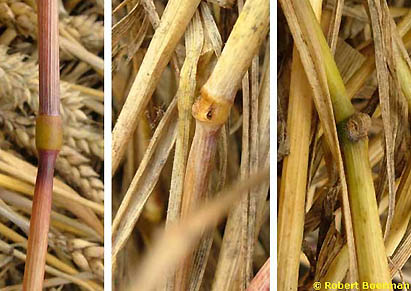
{"x": 294, "y": 175}
{"x": 402, "y": 215}
{"x": 144, "y": 180}
{"x": 404, "y": 76}
{"x": 293, "y": 184}
{"x": 174, "y": 22}
{"x": 185, "y": 98}
{"x": 245, "y": 39}
{"x": 194, "y": 40}
{"x": 372, "y": 262}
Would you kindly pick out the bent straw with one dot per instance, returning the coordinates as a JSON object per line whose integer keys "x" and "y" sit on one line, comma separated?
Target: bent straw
{"x": 48, "y": 142}
{"x": 212, "y": 109}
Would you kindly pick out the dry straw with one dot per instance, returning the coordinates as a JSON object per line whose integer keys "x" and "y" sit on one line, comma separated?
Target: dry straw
{"x": 212, "y": 108}
{"x": 350, "y": 234}
{"x": 172, "y": 26}
{"x": 186, "y": 131}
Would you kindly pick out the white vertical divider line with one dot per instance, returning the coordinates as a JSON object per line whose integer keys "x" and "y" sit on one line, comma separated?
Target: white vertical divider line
{"x": 273, "y": 144}
{"x": 107, "y": 145}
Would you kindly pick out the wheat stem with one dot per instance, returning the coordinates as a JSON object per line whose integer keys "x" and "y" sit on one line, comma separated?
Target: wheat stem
{"x": 48, "y": 142}
{"x": 352, "y": 132}
{"x": 294, "y": 174}
{"x": 212, "y": 109}
{"x": 339, "y": 266}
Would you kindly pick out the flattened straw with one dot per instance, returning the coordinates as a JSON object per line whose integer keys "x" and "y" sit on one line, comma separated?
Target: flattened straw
{"x": 144, "y": 180}
{"x": 384, "y": 46}
{"x": 185, "y": 98}
{"x": 335, "y": 25}
{"x": 194, "y": 39}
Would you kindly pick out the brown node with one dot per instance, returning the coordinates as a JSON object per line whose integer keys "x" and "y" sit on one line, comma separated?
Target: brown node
{"x": 357, "y": 126}
{"x": 211, "y": 110}
{"x": 49, "y": 132}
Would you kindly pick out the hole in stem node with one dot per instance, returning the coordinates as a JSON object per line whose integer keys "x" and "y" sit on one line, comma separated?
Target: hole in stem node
{"x": 209, "y": 114}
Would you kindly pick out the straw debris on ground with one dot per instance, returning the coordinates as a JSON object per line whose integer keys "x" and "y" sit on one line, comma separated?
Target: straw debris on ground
{"x": 344, "y": 79}
{"x": 190, "y": 181}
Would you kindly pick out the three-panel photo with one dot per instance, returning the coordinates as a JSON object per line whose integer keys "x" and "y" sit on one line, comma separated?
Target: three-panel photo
{"x": 205, "y": 145}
